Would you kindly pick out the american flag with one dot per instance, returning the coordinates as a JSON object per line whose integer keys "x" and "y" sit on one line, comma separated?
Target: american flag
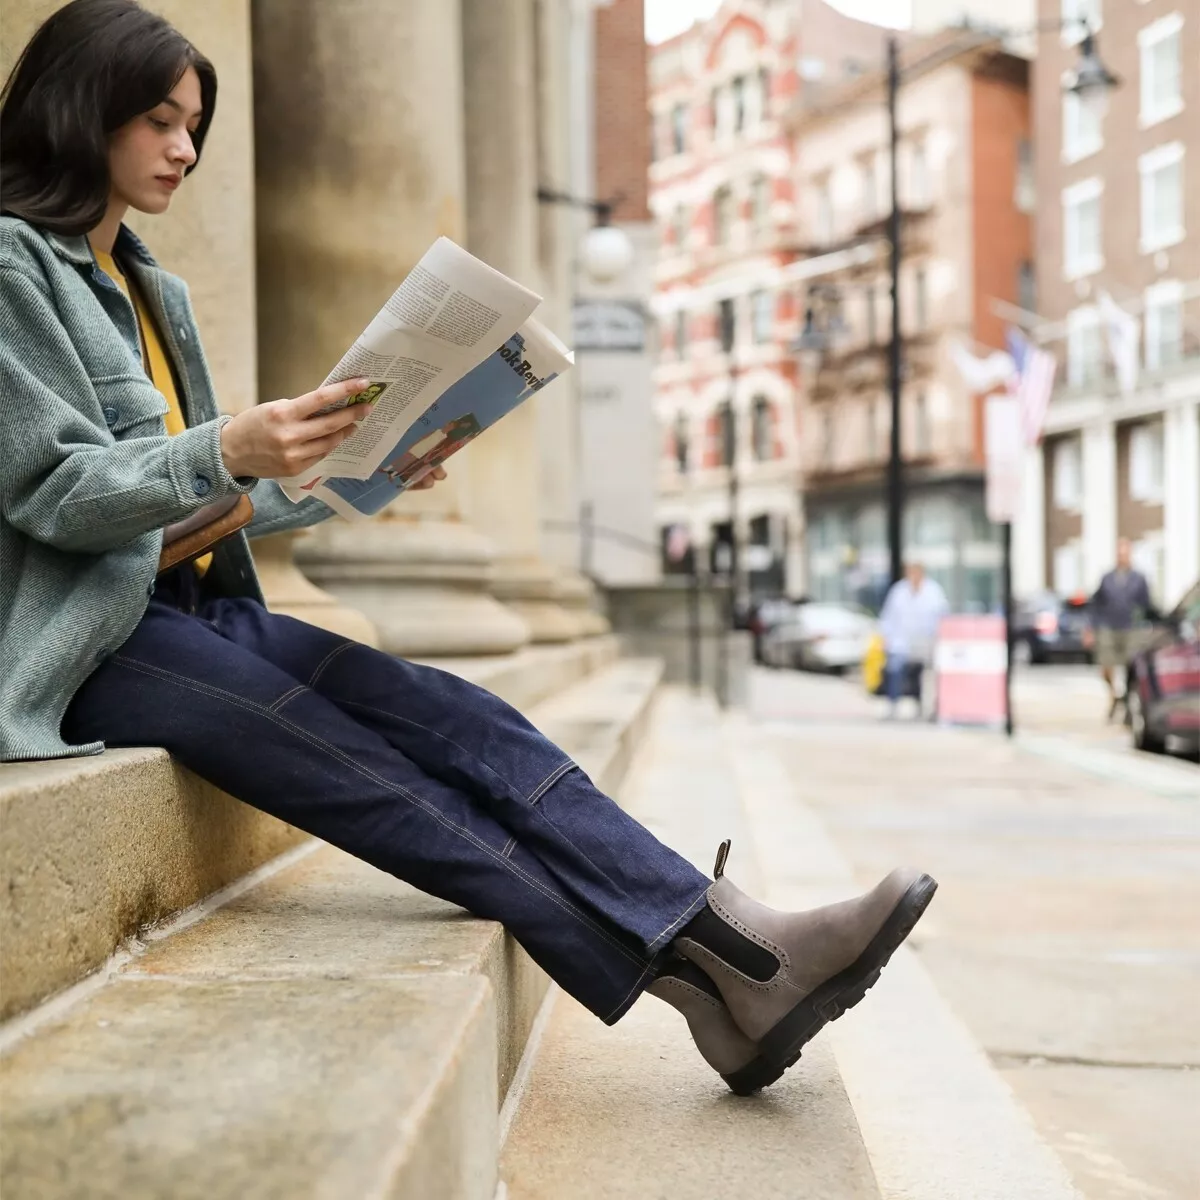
{"x": 1031, "y": 384}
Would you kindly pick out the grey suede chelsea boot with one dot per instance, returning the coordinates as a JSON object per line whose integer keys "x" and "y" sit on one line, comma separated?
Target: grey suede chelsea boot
{"x": 794, "y": 972}
{"x": 722, "y": 1044}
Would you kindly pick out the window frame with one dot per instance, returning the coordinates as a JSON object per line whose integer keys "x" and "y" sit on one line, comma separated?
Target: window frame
{"x": 1151, "y": 165}
{"x": 1075, "y": 148}
{"x": 1081, "y": 321}
{"x": 1158, "y": 296}
{"x": 1149, "y": 39}
{"x": 1074, "y": 197}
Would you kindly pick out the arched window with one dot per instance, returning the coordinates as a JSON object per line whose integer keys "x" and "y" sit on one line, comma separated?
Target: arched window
{"x": 762, "y": 429}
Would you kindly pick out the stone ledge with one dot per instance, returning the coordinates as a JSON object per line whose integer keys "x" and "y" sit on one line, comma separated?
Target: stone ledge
{"x": 213, "y": 1089}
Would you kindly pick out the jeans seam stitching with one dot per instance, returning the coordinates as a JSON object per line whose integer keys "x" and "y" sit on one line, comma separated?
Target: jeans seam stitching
{"x": 637, "y": 984}
{"x": 411, "y": 797}
{"x": 320, "y": 669}
{"x": 509, "y": 847}
{"x": 550, "y": 780}
{"x": 679, "y": 920}
{"x": 278, "y": 704}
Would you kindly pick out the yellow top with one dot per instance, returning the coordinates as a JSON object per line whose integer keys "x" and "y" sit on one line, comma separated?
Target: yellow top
{"x": 154, "y": 358}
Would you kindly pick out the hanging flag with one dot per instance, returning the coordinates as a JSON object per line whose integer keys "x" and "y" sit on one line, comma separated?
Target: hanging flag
{"x": 982, "y": 374}
{"x": 1032, "y": 383}
{"x": 1122, "y": 331}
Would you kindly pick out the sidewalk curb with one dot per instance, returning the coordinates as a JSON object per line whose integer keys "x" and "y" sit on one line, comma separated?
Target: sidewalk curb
{"x": 938, "y": 1121}
{"x": 1165, "y": 778}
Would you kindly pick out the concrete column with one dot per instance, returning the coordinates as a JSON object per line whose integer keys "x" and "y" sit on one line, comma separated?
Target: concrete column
{"x": 1029, "y": 528}
{"x": 500, "y": 72}
{"x": 1181, "y": 499}
{"x": 359, "y": 135}
{"x": 1099, "y": 499}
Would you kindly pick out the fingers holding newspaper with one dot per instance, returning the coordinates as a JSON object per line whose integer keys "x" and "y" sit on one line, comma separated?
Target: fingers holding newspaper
{"x": 284, "y": 437}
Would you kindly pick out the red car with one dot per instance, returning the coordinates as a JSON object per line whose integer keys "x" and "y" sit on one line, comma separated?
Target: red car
{"x": 1163, "y": 694}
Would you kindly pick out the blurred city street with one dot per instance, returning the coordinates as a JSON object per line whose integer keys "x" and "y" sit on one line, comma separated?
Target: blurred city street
{"x": 1065, "y": 932}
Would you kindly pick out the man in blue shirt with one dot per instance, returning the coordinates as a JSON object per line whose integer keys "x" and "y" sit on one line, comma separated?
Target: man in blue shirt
{"x": 909, "y": 622}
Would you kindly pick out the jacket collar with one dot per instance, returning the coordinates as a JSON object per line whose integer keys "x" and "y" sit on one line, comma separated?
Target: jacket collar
{"x": 78, "y": 250}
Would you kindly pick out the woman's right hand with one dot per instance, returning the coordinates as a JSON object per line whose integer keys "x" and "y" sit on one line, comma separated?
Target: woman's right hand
{"x": 283, "y": 438}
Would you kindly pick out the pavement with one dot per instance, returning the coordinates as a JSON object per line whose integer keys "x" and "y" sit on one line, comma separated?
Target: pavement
{"x": 1066, "y": 933}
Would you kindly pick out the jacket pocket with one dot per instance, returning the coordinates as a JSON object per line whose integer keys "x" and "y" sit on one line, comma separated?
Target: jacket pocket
{"x": 130, "y": 405}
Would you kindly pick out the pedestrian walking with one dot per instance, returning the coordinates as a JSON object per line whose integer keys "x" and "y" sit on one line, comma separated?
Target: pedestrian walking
{"x": 909, "y": 622}
{"x": 1120, "y": 610}
{"x": 109, "y": 432}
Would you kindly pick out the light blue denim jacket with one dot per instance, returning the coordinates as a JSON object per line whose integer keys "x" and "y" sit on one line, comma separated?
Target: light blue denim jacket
{"x": 88, "y": 475}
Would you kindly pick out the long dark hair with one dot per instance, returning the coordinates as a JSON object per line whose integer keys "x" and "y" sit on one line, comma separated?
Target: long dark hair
{"x": 92, "y": 67}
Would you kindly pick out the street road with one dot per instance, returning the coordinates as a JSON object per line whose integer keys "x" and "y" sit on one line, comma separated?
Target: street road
{"x": 1066, "y": 933}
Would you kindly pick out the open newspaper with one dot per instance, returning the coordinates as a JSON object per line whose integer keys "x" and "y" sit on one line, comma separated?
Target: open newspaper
{"x": 452, "y": 351}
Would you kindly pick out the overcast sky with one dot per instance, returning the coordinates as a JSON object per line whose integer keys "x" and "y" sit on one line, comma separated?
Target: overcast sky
{"x": 665, "y": 18}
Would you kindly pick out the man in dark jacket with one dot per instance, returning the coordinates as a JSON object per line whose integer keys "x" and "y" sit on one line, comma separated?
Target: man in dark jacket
{"x": 1120, "y": 609}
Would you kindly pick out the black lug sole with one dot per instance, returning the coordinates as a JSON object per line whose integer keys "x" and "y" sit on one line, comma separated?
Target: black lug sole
{"x": 783, "y": 1043}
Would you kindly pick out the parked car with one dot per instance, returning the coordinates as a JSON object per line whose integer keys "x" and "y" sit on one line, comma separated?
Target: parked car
{"x": 764, "y": 616}
{"x": 1047, "y": 627}
{"x": 820, "y": 637}
{"x": 1162, "y": 691}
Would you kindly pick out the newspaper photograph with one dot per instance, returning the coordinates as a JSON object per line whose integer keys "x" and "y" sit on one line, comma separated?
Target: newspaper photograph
{"x": 526, "y": 362}
{"x": 448, "y": 315}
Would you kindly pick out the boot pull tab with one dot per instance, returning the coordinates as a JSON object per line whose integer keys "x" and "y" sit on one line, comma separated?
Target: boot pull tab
{"x": 722, "y": 855}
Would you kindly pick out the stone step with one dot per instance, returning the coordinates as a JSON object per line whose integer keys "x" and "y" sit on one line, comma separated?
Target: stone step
{"x": 895, "y": 1101}
{"x": 327, "y": 1032}
{"x": 96, "y": 848}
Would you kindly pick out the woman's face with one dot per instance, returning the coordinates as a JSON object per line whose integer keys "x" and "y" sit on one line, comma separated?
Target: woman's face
{"x": 148, "y": 156}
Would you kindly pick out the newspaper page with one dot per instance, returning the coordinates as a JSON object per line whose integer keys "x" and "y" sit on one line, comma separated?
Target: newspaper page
{"x": 444, "y": 319}
{"x": 523, "y": 365}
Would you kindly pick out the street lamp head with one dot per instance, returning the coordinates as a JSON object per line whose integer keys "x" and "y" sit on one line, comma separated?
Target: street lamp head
{"x": 606, "y": 253}
{"x": 1092, "y": 81}
{"x": 811, "y": 338}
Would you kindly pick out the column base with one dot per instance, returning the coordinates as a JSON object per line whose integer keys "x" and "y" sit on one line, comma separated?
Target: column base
{"x": 288, "y": 592}
{"x": 529, "y": 587}
{"x": 577, "y": 594}
{"x": 422, "y": 581}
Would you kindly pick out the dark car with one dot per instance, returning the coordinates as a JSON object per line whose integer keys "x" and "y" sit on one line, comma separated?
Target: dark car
{"x": 1046, "y": 628}
{"x": 1162, "y": 699}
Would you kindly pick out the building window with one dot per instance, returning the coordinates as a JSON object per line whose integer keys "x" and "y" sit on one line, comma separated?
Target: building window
{"x": 920, "y": 300}
{"x": 682, "y": 443}
{"x": 1067, "y": 468}
{"x": 1082, "y": 130}
{"x": 738, "y": 92}
{"x": 759, "y": 201}
{"x": 918, "y": 182}
{"x": 679, "y": 128}
{"x": 824, "y": 213}
{"x": 727, "y": 324}
{"x": 871, "y": 322}
{"x": 762, "y": 429}
{"x": 827, "y": 438}
{"x": 868, "y": 190}
{"x": 1161, "y": 170}
{"x": 1159, "y": 51}
{"x": 1083, "y": 252}
{"x": 723, "y": 215}
{"x": 1163, "y": 326}
{"x": 1146, "y": 462}
{"x": 681, "y": 324}
{"x": 1027, "y": 287}
{"x": 1024, "y": 189}
{"x": 762, "y": 315}
{"x": 726, "y": 435}
{"x": 922, "y": 435}
{"x": 1085, "y": 347}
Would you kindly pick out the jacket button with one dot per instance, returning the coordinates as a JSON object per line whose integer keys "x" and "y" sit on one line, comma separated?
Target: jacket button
{"x": 201, "y": 486}
{"x": 110, "y": 415}
{"x": 101, "y": 655}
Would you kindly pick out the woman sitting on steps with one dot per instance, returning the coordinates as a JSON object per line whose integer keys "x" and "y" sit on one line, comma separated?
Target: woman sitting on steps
{"x": 109, "y": 432}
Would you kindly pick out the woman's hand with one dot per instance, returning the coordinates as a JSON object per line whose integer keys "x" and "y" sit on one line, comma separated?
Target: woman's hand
{"x": 283, "y": 437}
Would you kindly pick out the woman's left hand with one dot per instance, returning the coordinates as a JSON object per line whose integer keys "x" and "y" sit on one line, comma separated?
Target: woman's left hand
{"x": 427, "y": 481}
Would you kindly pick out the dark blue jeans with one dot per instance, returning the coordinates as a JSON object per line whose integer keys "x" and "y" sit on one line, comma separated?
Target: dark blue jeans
{"x": 414, "y": 770}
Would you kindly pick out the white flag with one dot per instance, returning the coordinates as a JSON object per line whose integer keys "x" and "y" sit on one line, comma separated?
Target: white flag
{"x": 1122, "y": 330}
{"x": 982, "y": 374}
